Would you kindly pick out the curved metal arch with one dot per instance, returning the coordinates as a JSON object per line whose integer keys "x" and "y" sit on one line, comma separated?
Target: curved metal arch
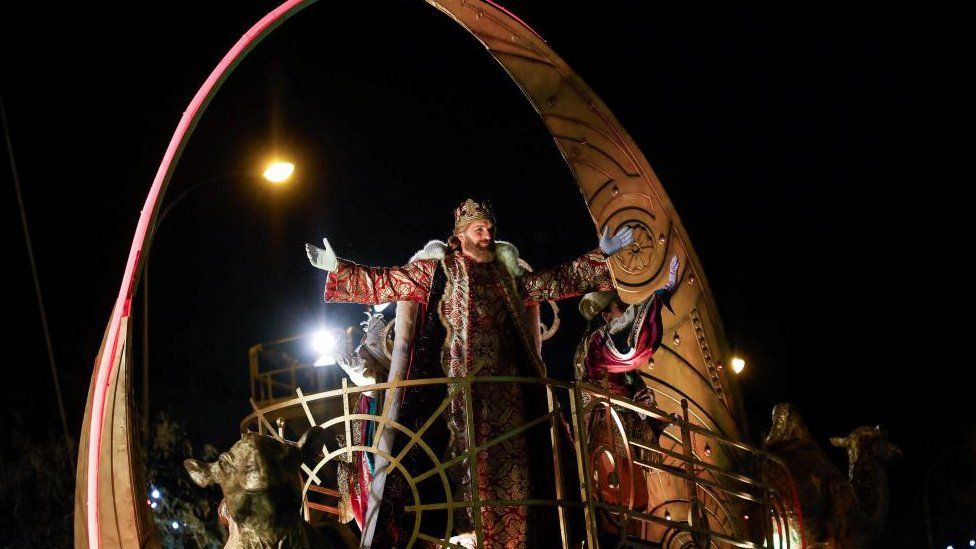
{"x": 109, "y": 480}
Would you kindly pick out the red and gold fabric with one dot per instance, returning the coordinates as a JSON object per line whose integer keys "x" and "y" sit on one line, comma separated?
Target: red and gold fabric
{"x": 490, "y": 314}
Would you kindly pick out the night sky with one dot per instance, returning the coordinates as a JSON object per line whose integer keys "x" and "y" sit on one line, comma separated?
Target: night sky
{"x": 798, "y": 147}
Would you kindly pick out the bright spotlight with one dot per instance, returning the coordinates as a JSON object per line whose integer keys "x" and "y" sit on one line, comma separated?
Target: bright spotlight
{"x": 175, "y": 525}
{"x": 325, "y": 360}
{"x": 738, "y": 365}
{"x": 324, "y": 342}
{"x": 155, "y": 493}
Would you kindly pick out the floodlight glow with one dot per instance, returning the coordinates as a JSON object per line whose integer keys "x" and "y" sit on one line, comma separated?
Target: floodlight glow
{"x": 279, "y": 172}
{"x": 155, "y": 493}
{"x": 152, "y": 505}
{"x": 738, "y": 365}
{"x": 176, "y": 525}
{"x": 379, "y": 308}
{"x": 324, "y": 342}
{"x": 325, "y": 360}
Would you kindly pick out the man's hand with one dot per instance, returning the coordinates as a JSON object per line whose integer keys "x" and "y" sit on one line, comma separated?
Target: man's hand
{"x": 322, "y": 259}
{"x": 611, "y": 245}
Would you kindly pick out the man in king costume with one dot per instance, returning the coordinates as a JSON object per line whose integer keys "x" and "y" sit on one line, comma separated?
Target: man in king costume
{"x": 610, "y": 356}
{"x": 475, "y": 313}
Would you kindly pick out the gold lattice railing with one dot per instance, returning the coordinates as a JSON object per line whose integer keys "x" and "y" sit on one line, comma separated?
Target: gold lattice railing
{"x": 714, "y": 500}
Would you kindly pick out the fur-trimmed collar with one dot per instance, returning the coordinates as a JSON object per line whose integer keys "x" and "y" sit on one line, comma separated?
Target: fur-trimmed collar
{"x": 505, "y": 253}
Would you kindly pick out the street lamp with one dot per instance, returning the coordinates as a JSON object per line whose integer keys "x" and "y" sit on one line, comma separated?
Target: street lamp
{"x": 277, "y": 173}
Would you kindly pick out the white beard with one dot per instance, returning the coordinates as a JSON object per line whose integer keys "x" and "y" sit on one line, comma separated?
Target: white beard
{"x": 623, "y": 322}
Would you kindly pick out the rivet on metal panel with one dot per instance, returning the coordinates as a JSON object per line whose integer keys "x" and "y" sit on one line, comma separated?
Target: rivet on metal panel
{"x": 650, "y": 364}
{"x": 661, "y": 238}
{"x": 615, "y": 190}
{"x": 551, "y": 100}
{"x": 677, "y": 339}
{"x": 691, "y": 279}
{"x": 720, "y": 366}
{"x": 481, "y": 14}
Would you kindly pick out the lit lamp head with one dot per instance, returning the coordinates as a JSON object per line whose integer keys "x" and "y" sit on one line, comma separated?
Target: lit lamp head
{"x": 738, "y": 365}
{"x": 279, "y": 172}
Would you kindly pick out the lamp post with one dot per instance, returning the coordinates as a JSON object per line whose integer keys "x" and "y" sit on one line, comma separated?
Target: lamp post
{"x": 276, "y": 173}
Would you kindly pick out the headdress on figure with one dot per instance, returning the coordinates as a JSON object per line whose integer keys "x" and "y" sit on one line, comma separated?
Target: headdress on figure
{"x": 594, "y": 303}
{"x": 470, "y": 211}
{"x": 374, "y": 336}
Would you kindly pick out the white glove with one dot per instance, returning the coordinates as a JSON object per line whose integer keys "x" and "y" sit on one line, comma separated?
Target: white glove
{"x": 322, "y": 259}
{"x": 672, "y": 274}
{"x": 611, "y": 245}
{"x": 355, "y": 368}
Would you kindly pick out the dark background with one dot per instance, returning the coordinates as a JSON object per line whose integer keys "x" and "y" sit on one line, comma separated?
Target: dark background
{"x": 802, "y": 149}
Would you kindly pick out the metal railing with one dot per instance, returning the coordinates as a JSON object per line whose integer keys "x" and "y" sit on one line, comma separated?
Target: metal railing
{"x": 693, "y": 500}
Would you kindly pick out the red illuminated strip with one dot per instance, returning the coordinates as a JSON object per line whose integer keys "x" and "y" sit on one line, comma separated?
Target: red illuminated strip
{"x": 515, "y": 17}
{"x": 177, "y": 142}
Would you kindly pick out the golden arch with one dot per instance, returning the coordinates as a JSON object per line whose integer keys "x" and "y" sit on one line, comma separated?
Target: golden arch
{"x": 617, "y": 182}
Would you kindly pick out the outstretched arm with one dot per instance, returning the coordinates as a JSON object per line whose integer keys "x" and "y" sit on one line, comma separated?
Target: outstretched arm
{"x": 352, "y": 283}
{"x": 584, "y": 274}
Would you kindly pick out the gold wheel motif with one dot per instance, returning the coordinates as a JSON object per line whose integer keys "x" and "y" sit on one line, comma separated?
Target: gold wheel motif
{"x": 636, "y": 258}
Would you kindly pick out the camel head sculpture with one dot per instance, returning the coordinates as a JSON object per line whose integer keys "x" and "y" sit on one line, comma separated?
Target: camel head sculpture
{"x": 838, "y": 510}
{"x": 262, "y": 491}
{"x": 787, "y": 425}
{"x": 868, "y": 454}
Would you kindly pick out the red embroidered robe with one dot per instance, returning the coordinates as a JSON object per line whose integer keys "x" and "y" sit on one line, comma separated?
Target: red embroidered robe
{"x": 487, "y": 312}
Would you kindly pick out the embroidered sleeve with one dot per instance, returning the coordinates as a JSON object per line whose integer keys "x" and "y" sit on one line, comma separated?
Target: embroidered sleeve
{"x": 352, "y": 283}
{"x": 584, "y": 274}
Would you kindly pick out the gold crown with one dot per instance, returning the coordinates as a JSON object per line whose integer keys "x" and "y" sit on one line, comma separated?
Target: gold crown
{"x": 469, "y": 211}
{"x": 594, "y": 303}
